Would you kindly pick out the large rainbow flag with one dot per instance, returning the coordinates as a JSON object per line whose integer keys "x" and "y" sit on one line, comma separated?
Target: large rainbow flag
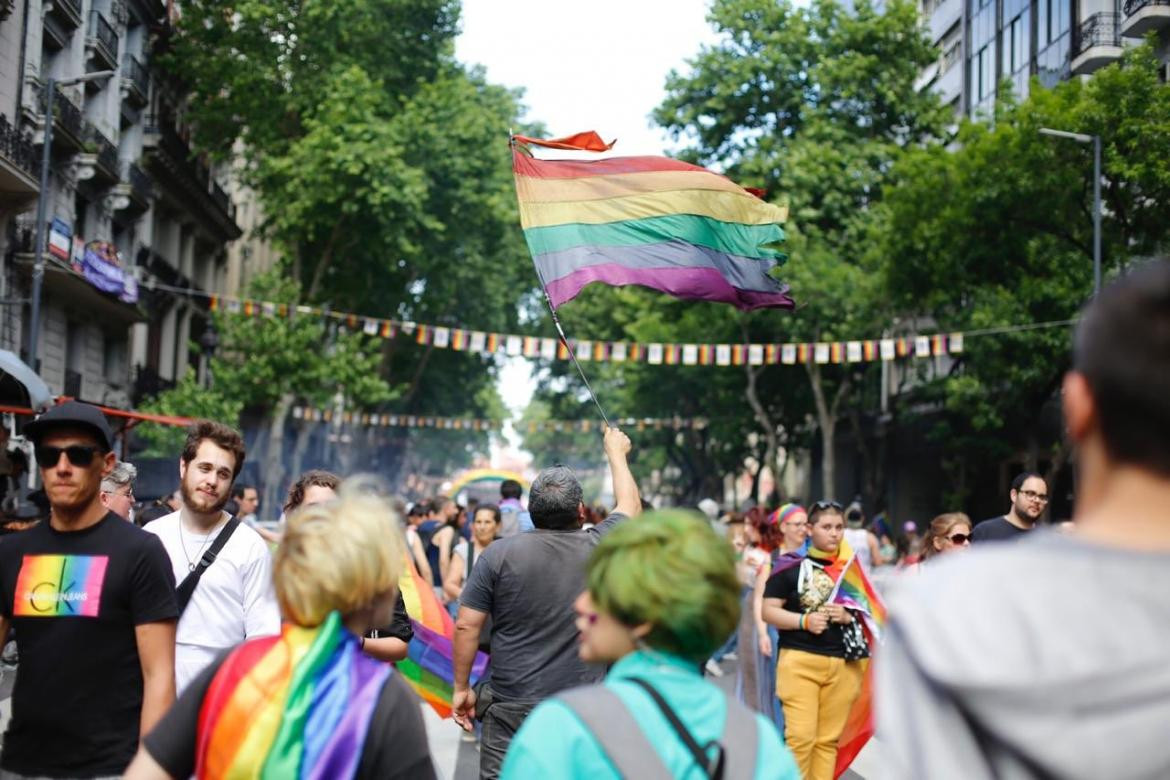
{"x": 649, "y": 221}
{"x": 297, "y": 704}
{"x": 429, "y": 666}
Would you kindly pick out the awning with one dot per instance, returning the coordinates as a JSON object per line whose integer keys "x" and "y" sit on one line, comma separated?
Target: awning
{"x": 34, "y": 388}
{"x": 131, "y": 418}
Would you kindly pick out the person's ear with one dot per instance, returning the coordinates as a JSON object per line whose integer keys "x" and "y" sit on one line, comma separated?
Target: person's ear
{"x": 641, "y": 631}
{"x": 1080, "y": 409}
{"x": 111, "y": 460}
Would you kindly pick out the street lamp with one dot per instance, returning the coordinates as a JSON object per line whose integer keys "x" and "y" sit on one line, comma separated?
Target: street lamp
{"x": 1095, "y": 140}
{"x": 51, "y": 85}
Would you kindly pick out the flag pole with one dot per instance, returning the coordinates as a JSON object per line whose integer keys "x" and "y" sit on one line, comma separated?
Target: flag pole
{"x": 573, "y": 355}
{"x": 557, "y": 322}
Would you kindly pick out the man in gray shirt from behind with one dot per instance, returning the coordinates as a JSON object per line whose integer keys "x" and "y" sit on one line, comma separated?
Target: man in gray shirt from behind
{"x": 527, "y": 584}
{"x": 1047, "y": 658}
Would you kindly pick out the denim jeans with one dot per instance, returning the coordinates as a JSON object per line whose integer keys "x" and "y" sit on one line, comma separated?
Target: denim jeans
{"x": 500, "y": 723}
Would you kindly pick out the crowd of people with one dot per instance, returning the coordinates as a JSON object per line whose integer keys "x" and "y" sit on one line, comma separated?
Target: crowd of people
{"x": 188, "y": 643}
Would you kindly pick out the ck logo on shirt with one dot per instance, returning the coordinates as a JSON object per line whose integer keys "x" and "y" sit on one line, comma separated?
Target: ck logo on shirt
{"x": 60, "y": 586}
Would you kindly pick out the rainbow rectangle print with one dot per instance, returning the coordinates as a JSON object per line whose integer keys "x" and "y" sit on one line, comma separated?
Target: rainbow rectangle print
{"x": 60, "y": 586}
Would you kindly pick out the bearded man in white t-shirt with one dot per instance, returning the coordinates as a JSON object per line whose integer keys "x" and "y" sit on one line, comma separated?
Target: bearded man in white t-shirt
{"x": 234, "y": 600}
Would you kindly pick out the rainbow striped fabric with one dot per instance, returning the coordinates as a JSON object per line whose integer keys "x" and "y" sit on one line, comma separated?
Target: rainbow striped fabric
{"x": 649, "y": 221}
{"x": 429, "y": 666}
{"x": 296, "y": 705}
{"x": 854, "y": 590}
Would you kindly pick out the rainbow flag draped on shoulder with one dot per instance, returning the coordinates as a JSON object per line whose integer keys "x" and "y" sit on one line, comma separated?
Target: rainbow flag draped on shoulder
{"x": 429, "y": 666}
{"x": 295, "y": 705}
{"x": 650, "y": 221}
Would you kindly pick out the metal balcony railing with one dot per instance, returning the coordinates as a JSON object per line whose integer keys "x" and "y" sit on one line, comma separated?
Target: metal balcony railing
{"x": 107, "y": 153}
{"x": 68, "y": 12}
{"x": 140, "y": 184}
{"x": 72, "y": 383}
{"x": 66, "y": 115}
{"x": 1102, "y": 29}
{"x": 137, "y": 78}
{"x": 1131, "y": 7}
{"x": 104, "y": 39}
{"x": 17, "y": 147}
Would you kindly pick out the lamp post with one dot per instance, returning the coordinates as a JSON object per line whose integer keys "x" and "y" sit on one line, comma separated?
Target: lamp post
{"x": 34, "y": 324}
{"x": 209, "y": 341}
{"x": 1095, "y": 140}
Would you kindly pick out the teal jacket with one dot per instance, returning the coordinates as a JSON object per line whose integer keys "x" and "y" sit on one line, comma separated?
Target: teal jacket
{"x": 554, "y": 743}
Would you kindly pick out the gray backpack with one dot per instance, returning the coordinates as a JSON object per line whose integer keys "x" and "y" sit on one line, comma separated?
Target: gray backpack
{"x": 628, "y": 749}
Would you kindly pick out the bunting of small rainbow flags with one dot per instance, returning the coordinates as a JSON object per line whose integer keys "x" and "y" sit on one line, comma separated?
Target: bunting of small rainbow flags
{"x": 376, "y": 420}
{"x": 655, "y": 353}
{"x": 429, "y": 665}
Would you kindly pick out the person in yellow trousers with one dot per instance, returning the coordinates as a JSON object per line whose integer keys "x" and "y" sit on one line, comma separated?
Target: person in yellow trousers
{"x": 823, "y": 651}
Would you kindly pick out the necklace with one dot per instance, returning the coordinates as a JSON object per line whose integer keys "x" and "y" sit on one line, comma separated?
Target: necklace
{"x": 198, "y": 553}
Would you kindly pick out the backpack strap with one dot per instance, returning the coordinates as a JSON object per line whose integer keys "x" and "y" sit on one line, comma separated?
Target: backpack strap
{"x": 614, "y": 728}
{"x": 186, "y": 588}
{"x": 741, "y": 741}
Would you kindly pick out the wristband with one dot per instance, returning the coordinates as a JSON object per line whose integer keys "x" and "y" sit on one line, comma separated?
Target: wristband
{"x": 801, "y": 625}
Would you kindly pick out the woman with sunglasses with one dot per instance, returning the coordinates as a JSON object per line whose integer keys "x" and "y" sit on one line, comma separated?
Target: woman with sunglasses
{"x": 947, "y": 533}
{"x": 823, "y": 650}
{"x": 662, "y": 593}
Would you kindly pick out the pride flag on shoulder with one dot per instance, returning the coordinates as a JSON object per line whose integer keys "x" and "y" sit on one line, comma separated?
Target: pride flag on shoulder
{"x": 649, "y": 221}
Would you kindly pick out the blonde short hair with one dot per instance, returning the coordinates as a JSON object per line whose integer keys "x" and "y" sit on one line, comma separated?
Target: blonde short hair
{"x": 338, "y": 555}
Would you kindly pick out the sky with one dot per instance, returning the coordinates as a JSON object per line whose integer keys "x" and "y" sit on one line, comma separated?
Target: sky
{"x": 598, "y": 66}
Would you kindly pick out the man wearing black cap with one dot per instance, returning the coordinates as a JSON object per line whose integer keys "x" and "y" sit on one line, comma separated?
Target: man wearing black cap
{"x": 92, "y": 598}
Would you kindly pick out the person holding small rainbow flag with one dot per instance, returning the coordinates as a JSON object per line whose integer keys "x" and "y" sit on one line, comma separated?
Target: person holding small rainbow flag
{"x": 829, "y": 616}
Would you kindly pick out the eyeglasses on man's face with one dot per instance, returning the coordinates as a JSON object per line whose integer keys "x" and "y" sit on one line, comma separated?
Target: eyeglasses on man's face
{"x": 1032, "y": 495}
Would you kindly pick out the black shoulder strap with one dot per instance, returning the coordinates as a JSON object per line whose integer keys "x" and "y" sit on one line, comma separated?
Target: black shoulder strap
{"x": 187, "y": 586}
{"x": 712, "y": 765}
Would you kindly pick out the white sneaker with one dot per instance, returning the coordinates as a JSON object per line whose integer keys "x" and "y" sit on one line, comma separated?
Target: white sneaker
{"x": 713, "y": 668}
{"x": 731, "y": 657}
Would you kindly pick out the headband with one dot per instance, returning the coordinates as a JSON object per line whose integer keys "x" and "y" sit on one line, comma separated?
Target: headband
{"x": 788, "y": 510}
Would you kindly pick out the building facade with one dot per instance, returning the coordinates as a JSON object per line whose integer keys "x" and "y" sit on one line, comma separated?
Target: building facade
{"x": 986, "y": 46}
{"x": 137, "y": 225}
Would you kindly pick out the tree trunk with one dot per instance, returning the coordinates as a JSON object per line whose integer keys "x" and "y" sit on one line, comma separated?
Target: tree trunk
{"x": 771, "y": 440}
{"x": 274, "y": 473}
{"x": 300, "y": 447}
{"x": 828, "y": 413}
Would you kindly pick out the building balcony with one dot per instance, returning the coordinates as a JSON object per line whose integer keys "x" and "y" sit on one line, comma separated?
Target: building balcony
{"x": 141, "y": 189}
{"x": 105, "y": 155}
{"x": 176, "y": 169}
{"x": 18, "y": 166}
{"x": 1096, "y": 43}
{"x": 135, "y": 81}
{"x": 945, "y": 15}
{"x": 1141, "y": 16}
{"x": 101, "y": 42}
{"x": 66, "y": 12}
{"x": 68, "y": 122}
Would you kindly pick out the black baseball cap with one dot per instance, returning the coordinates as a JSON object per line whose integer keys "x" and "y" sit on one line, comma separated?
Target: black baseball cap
{"x": 72, "y": 414}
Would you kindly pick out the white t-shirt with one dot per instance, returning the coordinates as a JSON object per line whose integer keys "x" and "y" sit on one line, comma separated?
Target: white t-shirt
{"x": 858, "y": 539}
{"x": 233, "y": 601}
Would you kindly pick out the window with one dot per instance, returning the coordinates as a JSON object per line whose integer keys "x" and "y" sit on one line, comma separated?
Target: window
{"x": 114, "y": 359}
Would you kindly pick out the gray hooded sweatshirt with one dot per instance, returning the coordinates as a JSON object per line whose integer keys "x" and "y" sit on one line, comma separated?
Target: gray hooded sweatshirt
{"x": 1045, "y": 657}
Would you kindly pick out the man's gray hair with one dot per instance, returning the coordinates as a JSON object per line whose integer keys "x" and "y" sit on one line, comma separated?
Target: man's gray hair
{"x": 554, "y": 498}
{"x": 123, "y": 474}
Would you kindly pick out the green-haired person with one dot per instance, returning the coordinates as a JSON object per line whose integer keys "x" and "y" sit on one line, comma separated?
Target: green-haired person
{"x": 662, "y": 594}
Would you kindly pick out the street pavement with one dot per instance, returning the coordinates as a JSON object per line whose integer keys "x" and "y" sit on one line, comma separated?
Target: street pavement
{"x": 456, "y": 759}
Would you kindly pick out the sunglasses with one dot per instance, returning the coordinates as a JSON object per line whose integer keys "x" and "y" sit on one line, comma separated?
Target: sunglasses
{"x": 960, "y": 538}
{"x": 821, "y": 506}
{"x": 78, "y": 454}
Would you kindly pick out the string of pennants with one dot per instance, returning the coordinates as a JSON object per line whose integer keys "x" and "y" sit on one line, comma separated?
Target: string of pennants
{"x": 373, "y": 419}
{"x": 483, "y": 342}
